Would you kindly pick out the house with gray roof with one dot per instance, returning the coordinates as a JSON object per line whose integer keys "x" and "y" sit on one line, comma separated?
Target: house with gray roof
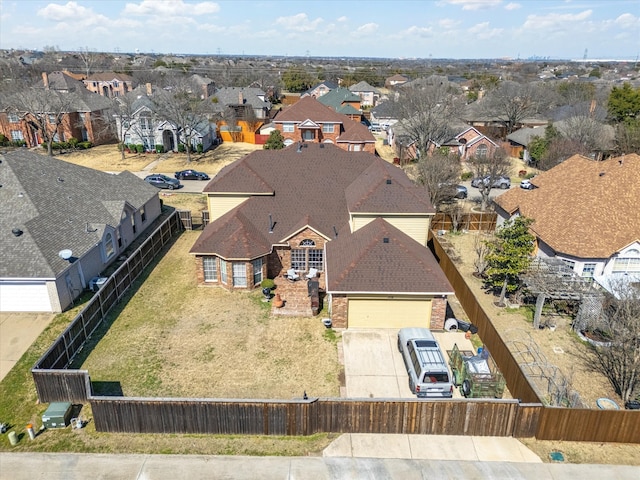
{"x": 343, "y": 101}
{"x": 62, "y": 225}
{"x": 350, "y": 221}
{"x": 369, "y": 95}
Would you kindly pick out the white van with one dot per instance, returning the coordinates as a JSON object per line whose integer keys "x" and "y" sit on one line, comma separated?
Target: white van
{"x": 428, "y": 372}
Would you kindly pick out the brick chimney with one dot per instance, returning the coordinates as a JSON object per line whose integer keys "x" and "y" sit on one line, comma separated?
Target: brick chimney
{"x": 45, "y": 80}
{"x": 149, "y": 89}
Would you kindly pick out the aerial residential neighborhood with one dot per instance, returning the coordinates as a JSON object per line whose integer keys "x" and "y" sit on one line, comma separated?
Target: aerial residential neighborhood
{"x": 327, "y": 257}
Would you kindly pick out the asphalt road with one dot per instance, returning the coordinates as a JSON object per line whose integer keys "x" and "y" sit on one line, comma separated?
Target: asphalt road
{"x": 188, "y": 186}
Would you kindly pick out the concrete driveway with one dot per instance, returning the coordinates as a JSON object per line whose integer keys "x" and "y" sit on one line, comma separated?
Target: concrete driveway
{"x": 374, "y": 367}
{"x": 17, "y": 332}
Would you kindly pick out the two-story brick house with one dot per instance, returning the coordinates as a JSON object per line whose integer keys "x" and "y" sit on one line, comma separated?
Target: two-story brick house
{"x": 308, "y": 120}
{"x": 357, "y": 220}
{"x": 110, "y": 84}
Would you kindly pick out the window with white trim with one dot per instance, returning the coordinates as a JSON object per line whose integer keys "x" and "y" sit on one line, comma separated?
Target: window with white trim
{"x": 302, "y": 259}
{"x": 288, "y": 142}
{"x": 239, "y": 274}
{"x": 257, "y": 271}
{"x": 482, "y": 151}
{"x": 52, "y": 118}
{"x": 109, "y": 250}
{"x": 589, "y": 270}
{"x": 315, "y": 258}
{"x": 17, "y": 135}
{"x": 626, "y": 264}
{"x": 288, "y": 127}
{"x": 143, "y": 214}
{"x": 569, "y": 263}
{"x": 13, "y": 118}
{"x": 298, "y": 259}
{"x": 210, "y": 268}
{"x": 223, "y": 271}
{"x": 328, "y": 128}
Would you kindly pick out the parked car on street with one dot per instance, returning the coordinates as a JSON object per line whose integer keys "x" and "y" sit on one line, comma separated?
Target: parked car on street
{"x": 454, "y": 191}
{"x": 502, "y": 181}
{"x": 162, "y": 181}
{"x": 191, "y": 174}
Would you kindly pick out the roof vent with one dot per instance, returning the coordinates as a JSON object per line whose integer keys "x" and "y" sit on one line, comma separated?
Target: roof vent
{"x": 270, "y": 224}
{"x": 60, "y": 179}
{"x": 16, "y": 231}
{"x": 322, "y": 146}
{"x": 20, "y": 194}
{"x": 385, "y": 240}
{"x": 299, "y": 150}
{"x": 388, "y": 181}
{"x": 601, "y": 174}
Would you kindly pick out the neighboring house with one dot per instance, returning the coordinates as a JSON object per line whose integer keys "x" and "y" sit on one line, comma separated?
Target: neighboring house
{"x": 147, "y": 128}
{"x": 48, "y": 206}
{"x": 320, "y": 89}
{"x": 494, "y": 126}
{"x": 87, "y": 119}
{"x": 343, "y": 101}
{"x": 240, "y": 111}
{"x": 395, "y": 80}
{"x": 61, "y": 82}
{"x": 308, "y": 120}
{"x": 360, "y": 221}
{"x": 369, "y": 95}
{"x": 110, "y": 84}
{"x": 384, "y": 114}
{"x": 466, "y": 144}
{"x": 206, "y": 85}
{"x": 520, "y": 139}
{"x": 585, "y": 213}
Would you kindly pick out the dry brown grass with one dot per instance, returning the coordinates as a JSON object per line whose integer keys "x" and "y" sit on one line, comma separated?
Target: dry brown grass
{"x": 560, "y": 347}
{"x": 108, "y": 158}
{"x": 175, "y": 339}
{"x": 586, "y": 452}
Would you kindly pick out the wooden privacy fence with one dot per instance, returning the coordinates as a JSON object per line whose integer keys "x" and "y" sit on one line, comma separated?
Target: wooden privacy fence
{"x": 190, "y": 221}
{"x": 306, "y": 417}
{"x": 553, "y": 423}
{"x": 54, "y": 382}
{"x": 472, "y": 221}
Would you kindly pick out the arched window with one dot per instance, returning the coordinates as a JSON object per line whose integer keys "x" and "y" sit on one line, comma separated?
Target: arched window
{"x": 482, "y": 151}
{"x": 307, "y": 243}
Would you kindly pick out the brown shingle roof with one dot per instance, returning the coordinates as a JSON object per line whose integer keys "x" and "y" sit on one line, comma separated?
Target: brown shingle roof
{"x": 309, "y": 108}
{"x": 581, "y": 207}
{"x": 306, "y": 188}
{"x": 363, "y": 262}
{"x": 355, "y": 132}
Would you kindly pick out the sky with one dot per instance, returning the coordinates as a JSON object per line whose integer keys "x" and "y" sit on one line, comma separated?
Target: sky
{"x": 458, "y": 29}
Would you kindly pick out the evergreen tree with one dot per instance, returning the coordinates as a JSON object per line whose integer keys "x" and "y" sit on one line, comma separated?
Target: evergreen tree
{"x": 275, "y": 141}
{"x": 509, "y": 255}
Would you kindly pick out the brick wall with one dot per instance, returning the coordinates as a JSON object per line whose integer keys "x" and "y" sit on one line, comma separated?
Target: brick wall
{"x": 339, "y": 311}
{"x": 438, "y": 313}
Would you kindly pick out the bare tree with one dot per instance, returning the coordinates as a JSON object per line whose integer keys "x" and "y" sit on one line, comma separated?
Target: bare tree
{"x": 126, "y": 120}
{"x": 181, "y": 106}
{"x": 590, "y": 133}
{"x": 619, "y": 358}
{"x": 456, "y": 214}
{"x": 512, "y": 102}
{"x": 439, "y": 173}
{"x": 43, "y": 110}
{"x": 558, "y": 151}
{"x": 489, "y": 169}
{"x": 89, "y": 59}
{"x": 427, "y": 113}
{"x": 481, "y": 249}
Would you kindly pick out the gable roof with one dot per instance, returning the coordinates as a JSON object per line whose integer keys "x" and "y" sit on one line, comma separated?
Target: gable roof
{"x": 109, "y": 77}
{"x": 364, "y": 263}
{"x": 299, "y": 187}
{"x": 363, "y": 87}
{"x": 581, "y": 207}
{"x": 62, "y": 81}
{"x": 309, "y": 108}
{"x": 57, "y": 205}
{"x": 524, "y": 135}
{"x": 328, "y": 84}
{"x": 337, "y": 98}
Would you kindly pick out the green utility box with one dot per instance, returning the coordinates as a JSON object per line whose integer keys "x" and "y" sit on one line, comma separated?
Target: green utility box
{"x": 57, "y": 415}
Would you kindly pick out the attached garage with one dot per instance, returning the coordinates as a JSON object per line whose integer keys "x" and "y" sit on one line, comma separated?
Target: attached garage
{"x": 384, "y": 312}
{"x": 24, "y": 297}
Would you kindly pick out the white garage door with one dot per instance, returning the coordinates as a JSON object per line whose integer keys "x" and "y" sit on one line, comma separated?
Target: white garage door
{"x": 387, "y": 313}
{"x": 24, "y": 297}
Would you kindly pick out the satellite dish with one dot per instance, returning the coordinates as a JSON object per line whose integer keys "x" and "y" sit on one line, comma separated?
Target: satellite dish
{"x": 65, "y": 254}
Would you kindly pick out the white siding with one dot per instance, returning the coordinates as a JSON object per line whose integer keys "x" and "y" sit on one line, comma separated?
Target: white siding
{"x": 416, "y": 227}
{"x": 219, "y": 205}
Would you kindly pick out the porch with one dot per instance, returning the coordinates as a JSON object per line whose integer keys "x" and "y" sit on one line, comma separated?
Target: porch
{"x": 296, "y": 297}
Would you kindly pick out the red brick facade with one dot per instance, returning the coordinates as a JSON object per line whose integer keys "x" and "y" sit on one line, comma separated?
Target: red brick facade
{"x": 438, "y": 313}
{"x": 339, "y": 311}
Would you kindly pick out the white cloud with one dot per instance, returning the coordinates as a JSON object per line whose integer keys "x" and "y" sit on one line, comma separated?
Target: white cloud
{"x": 483, "y": 32}
{"x": 299, "y": 23}
{"x": 342, "y": 19}
{"x": 367, "y": 28}
{"x": 60, "y": 13}
{"x": 158, "y": 8}
{"x": 627, "y": 20}
{"x": 512, "y": 6}
{"x": 475, "y": 4}
{"x": 448, "y": 23}
{"x": 415, "y": 31}
{"x": 555, "y": 20}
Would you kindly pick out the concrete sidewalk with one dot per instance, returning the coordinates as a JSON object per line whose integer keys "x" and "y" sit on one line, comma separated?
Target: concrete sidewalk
{"x": 431, "y": 447}
{"x": 63, "y": 466}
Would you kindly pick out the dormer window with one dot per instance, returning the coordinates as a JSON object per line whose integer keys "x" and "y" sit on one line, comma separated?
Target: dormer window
{"x": 307, "y": 243}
